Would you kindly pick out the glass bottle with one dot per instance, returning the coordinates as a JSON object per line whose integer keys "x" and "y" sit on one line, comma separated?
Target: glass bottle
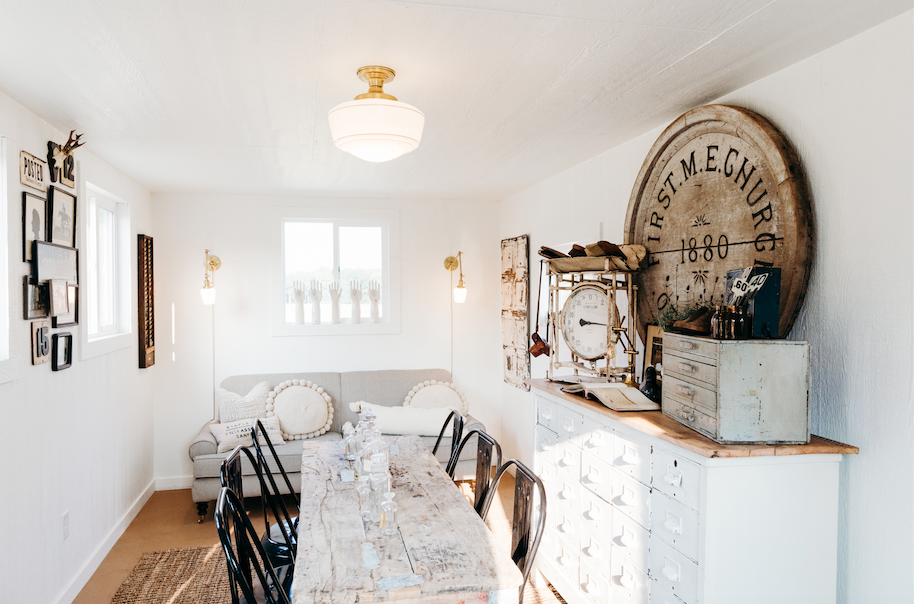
{"x": 388, "y": 515}
{"x": 374, "y": 445}
{"x": 715, "y": 323}
{"x": 363, "y": 488}
{"x": 741, "y": 323}
{"x": 366, "y": 423}
{"x": 350, "y": 445}
{"x": 380, "y": 467}
{"x": 378, "y": 488}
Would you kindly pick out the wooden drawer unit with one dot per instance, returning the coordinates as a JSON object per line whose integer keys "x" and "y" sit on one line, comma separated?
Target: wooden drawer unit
{"x": 738, "y": 391}
{"x": 644, "y": 511}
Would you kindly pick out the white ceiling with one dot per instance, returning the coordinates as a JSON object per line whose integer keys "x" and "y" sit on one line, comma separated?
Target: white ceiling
{"x": 232, "y": 95}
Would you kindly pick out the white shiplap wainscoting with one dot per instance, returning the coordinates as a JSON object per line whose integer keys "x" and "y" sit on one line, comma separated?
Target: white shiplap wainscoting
{"x": 643, "y": 510}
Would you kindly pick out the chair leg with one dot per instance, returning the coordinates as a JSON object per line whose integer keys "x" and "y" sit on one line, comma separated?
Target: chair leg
{"x": 201, "y": 511}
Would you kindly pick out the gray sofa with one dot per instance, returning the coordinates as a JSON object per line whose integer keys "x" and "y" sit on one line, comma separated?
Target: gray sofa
{"x": 388, "y": 388}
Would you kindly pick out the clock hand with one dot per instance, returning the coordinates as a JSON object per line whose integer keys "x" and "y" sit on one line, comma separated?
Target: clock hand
{"x": 583, "y": 323}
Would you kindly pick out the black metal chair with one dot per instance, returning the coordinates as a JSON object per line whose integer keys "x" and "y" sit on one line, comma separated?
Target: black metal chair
{"x": 526, "y": 485}
{"x": 244, "y": 553}
{"x": 260, "y": 437}
{"x": 280, "y": 539}
{"x": 485, "y": 447}
{"x": 455, "y": 434}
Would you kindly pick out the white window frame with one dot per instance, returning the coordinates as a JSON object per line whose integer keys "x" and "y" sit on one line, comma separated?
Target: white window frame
{"x": 9, "y": 368}
{"x": 390, "y": 291}
{"x": 119, "y": 337}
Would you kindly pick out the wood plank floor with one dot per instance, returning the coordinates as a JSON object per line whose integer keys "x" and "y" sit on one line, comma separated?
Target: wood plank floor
{"x": 169, "y": 520}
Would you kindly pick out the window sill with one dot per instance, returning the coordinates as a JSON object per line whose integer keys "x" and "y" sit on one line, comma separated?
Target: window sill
{"x": 104, "y": 345}
{"x": 338, "y": 329}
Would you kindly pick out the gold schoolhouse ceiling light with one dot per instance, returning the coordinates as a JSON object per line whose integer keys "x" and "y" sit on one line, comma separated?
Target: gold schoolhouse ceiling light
{"x": 376, "y": 126}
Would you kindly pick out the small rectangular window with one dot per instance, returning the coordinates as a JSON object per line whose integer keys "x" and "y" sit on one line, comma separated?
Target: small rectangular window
{"x": 106, "y": 253}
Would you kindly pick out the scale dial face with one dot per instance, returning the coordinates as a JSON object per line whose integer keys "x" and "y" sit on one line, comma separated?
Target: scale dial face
{"x": 720, "y": 190}
{"x": 584, "y": 318}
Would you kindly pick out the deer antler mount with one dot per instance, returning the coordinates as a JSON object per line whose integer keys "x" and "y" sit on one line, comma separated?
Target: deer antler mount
{"x": 60, "y": 159}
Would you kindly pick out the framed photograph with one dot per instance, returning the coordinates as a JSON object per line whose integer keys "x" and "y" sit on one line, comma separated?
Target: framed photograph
{"x": 61, "y": 351}
{"x": 653, "y": 349}
{"x": 50, "y": 261}
{"x": 59, "y": 303}
{"x": 41, "y": 342}
{"x": 32, "y": 171}
{"x": 62, "y": 219}
{"x": 35, "y": 304}
{"x": 72, "y": 316}
{"x": 34, "y": 223}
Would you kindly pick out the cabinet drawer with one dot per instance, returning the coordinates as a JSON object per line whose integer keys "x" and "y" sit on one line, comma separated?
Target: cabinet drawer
{"x": 546, "y": 444}
{"x": 568, "y": 425}
{"x": 698, "y": 346}
{"x": 565, "y": 558}
{"x": 595, "y": 549}
{"x": 630, "y": 540}
{"x": 568, "y": 492}
{"x": 691, "y": 394}
{"x": 676, "y": 573}
{"x": 659, "y": 595}
{"x": 630, "y": 581}
{"x": 597, "y": 440}
{"x": 632, "y": 498}
{"x": 674, "y": 523}
{"x": 632, "y": 456}
{"x": 545, "y": 413}
{"x": 594, "y": 585}
{"x": 596, "y": 475}
{"x": 547, "y": 543}
{"x": 677, "y": 477}
{"x": 568, "y": 458}
{"x": 688, "y": 415}
{"x": 596, "y": 513}
{"x": 568, "y": 525}
{"x": 689, "y": 369}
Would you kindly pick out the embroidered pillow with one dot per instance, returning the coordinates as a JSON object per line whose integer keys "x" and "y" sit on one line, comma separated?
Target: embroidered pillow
{"x": 405, "y": 420}
{"x": 233, "y": 406}
{"x": 232, "y": 434}
{"x": 303, "y": 408}
{"x": 432, "y": 394}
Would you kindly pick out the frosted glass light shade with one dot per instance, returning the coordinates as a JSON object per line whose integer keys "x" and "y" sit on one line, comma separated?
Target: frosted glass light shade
{"x": 208, "y": 294}
{"x": 460, "y": 294}
{"x": 376, "y": 130}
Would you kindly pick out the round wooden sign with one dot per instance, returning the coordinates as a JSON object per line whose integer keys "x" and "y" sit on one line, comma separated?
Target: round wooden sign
{"x": 721, "y": 189}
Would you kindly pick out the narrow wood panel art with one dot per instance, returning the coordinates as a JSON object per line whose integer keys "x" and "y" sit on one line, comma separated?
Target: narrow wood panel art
{"x": 145, "y": 301}
{"x": 515, "y": 328}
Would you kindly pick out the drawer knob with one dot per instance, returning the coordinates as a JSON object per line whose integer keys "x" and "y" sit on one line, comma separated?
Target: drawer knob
{"x": 567, "y": 493}
{"x": 594, "y": 513}
{"x": 687, "y": 367}
{"x": 671, "y": 570}
{"x": 545, "y": 446}
{"x": 565, "y": 559}
{"x": 690, "y": 416}
{"x": 627, "y": 538}
{"x": 589, "y": 587}
{"x": 686, "y": 391}
{"x": 569, "y": 425}
{"x": 593, "y": 477}
{"x": 673, "y": 524}
{"x": 627, "y": 579}
{"x": 687, "y": 345}
{"x": 593, "y": 550}
{"x": 627, "y": 499}
{"x": 566, "y": 527}
{"x": 673, "y": 476}
{"x": 630, "y": 455}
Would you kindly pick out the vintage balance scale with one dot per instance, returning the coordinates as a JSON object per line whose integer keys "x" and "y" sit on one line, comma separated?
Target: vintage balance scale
{"x": 589, "y": 319}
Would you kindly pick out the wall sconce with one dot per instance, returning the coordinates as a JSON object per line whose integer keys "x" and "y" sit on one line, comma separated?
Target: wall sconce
{"x": 452, "y": 263}
{"x": 211, "y": 264}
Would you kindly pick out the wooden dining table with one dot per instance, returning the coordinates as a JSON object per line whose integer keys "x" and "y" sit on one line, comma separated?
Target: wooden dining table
{"x": 443, "y": 552}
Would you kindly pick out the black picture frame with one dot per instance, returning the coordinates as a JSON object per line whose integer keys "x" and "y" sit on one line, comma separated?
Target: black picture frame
{"x": 72, "y": 317}
{"x": 61, "y": 350}
{"x": 52, "y": 261}
{"x": 35, "y": 300}
{"x": 33, "y": 207}
{"x": 61, "y": 219}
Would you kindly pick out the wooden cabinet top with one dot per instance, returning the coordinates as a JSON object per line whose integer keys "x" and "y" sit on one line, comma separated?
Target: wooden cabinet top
{"x": 656, "y": 424}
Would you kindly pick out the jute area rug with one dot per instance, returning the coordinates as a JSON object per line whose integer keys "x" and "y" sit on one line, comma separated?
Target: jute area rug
{"x": 197, "y": 575}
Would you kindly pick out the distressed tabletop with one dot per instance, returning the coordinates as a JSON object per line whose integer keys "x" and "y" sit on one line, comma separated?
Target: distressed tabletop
{"x": 443, "y": 553}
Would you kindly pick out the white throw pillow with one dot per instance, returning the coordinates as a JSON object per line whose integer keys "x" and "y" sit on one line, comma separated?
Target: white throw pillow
{"x": 303, "y": 408}
{"x": 233, "y": 406}
{"x": 431, "y": 394}
{"x": 231, "y": 434}
{"x": 406, "y": 420}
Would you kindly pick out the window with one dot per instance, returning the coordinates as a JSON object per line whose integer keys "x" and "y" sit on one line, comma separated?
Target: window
{"x": 337, "y": 247}
{"x": 106, "y": 250}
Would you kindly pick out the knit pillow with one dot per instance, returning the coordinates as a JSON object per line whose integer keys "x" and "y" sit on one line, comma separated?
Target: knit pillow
{"x": 233, "y": 406}
{"x": 303, "y": 408}
{"x": 437, "y": 394}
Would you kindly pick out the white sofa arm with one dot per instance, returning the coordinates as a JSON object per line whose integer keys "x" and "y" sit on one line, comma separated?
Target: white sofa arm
{"x": 204, "y": 443}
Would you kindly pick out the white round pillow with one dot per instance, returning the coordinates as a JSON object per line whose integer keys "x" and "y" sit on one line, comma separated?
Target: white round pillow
{"x": 433, "y": 394}
{"x": 303, "y": 408}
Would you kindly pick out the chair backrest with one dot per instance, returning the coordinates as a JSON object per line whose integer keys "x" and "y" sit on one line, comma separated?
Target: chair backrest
{"x": 259, "y": 436}
{"x": 240, "y": 543}
{"x": 524, "y": 540}
{"x": 487, "y": 448}
{"x": 455, "y": 435}
{"x": 233, "y": 478}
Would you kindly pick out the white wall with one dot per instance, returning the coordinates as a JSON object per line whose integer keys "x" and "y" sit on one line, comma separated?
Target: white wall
{"x": 239, "y": 230}
{"x": 79, "y": 439}
{"x": 848, "y": 111}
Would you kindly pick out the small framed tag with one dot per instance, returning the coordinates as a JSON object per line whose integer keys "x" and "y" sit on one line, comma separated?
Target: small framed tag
{"x": 394, "y": 449}
{"x": 347, "y": 476}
